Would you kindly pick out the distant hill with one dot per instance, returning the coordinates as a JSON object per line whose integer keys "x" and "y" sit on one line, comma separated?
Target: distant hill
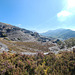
{"x": 60, "y": 33}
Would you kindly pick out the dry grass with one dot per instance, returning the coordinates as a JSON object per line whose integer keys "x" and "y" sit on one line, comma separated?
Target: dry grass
{"x": 26, "y": 46}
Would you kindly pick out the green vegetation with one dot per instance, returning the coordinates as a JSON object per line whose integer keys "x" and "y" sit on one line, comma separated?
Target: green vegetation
{"x": 70, "y": 42}
{"x": 3, "y": 35}
{"x": 6, "y": 38}
{"x": 40, "y": 64}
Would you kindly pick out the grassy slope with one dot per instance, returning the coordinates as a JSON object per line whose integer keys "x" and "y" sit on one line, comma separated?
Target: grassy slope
{"x": 26, "y": 46}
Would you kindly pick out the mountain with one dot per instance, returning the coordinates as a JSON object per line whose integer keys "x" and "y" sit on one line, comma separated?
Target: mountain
{"x": 14, "y": 33}
{"x": 15, "y": 39}
{"x": 60, "y": 33}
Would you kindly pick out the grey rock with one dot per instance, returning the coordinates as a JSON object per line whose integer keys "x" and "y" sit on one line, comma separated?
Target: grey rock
{"x": 3, "y": 47}
{"x": 19, "y": 34}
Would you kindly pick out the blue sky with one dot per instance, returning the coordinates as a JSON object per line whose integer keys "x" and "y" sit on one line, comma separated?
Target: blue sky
{"x": 38, "y": 15}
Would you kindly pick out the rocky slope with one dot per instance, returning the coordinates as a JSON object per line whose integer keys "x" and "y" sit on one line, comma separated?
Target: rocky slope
{"x": 15, "y": 39}
{"x": 14, "y": 33}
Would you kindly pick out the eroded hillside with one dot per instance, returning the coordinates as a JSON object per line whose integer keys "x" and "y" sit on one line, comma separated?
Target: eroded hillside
{"x": 15, "y": 46}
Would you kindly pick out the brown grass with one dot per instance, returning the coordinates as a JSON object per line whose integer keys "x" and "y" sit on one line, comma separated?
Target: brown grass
{"x": 26, "y": 46}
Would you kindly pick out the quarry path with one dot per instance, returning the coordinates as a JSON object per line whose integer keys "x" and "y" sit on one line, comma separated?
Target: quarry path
{"x": 3, "y": 47}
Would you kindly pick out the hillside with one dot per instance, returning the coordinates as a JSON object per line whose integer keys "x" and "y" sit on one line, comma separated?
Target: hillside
{"x": 14, "y": 33}
{"x": 19, "y": 40}
{"x": 60, "y": 33}
{"x": 15, "y": 39}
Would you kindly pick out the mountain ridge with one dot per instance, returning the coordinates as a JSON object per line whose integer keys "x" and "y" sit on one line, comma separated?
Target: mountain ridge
{"x": 60, "y": 33}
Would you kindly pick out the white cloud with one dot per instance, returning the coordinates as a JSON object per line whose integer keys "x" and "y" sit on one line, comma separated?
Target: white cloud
{"x": 19, "y": 24}
{"x": 73, "y": 29}
{"x": 67, "y": 11}
{"x": 64, "y": 13}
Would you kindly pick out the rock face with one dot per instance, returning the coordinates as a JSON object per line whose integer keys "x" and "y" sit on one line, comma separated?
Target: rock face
{"x": 14, "y": 33}
{"x": 19, "y": 34}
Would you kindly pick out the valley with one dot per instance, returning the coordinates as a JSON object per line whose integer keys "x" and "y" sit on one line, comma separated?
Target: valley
{"x": 23, "y": 52}
{"x": 17, "y": 40}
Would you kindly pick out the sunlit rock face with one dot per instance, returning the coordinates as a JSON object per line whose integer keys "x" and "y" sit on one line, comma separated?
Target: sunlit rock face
{"x": 19, "y": 34}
